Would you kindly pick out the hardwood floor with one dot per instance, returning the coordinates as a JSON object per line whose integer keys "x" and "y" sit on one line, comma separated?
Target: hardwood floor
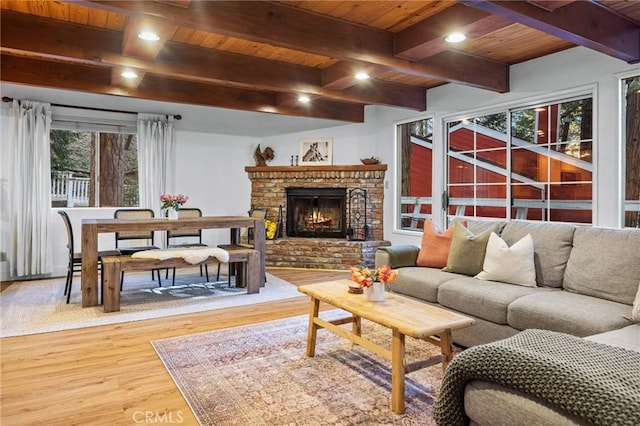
{"x": 110, "y": 375}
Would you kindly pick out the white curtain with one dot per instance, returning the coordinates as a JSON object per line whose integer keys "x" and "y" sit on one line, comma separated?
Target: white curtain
{"x": 30, "y": 250}
{"x": 156, "y": 159}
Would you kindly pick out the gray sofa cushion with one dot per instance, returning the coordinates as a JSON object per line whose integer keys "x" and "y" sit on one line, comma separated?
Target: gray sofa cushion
{"x": 552, "y": 245}
{"x": 421, "y": 283}
{"x": 604, "y": 263}
{"x": 511, "y": 407}
{"x": 627, "y": 337}
{"x": 567, "y": 312}
{"x": 478, "y": 225}
{"x": 483, "y": 299}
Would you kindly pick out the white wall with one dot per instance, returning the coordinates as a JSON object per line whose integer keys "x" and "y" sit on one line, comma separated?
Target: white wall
{"x": 211, "y": 166}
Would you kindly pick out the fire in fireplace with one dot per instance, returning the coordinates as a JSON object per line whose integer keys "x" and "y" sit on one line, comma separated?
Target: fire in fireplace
{"x": 316, "y": 212}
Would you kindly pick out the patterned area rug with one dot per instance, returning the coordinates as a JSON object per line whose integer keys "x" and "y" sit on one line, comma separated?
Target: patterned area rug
{"x": 39, "y": 306}
{"x": 259, "y": 375}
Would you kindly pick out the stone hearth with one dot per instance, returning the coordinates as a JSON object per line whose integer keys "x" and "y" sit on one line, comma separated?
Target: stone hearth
{"x": 268, "y": 190}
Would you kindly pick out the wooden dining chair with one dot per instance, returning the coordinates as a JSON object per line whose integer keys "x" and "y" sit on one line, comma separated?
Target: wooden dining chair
{"x": 184, "y": 238}
{"x": 137, "y": 236}
{"x": 75, "y": 259}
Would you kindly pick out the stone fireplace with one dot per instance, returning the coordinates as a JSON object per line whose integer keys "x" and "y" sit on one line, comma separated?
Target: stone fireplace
{"x": 315, "y": 202}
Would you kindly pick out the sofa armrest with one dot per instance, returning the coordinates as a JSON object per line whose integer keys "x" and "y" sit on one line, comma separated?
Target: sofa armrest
{"x": 397, "y": 256}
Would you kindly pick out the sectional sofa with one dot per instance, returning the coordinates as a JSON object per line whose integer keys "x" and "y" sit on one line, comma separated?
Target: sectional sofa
{"x": 586, "y": 281}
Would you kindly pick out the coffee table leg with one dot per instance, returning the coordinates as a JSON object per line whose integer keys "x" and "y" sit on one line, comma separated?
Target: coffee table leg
{"x": 446, "y": 346}
{"x": 313, "y": 328}
{"x": 356, "y": 327}
{"x": 397, "y": 373}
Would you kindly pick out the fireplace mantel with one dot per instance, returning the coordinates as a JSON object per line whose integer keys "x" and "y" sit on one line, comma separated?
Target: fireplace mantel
{"x": 297, "y": 169}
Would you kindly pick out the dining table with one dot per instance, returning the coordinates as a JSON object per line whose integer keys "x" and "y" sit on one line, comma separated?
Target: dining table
{"x": 92, "y": 227}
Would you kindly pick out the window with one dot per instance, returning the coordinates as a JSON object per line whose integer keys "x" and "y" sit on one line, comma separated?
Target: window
{"x": 415, "y": 146}
{"x": 93, "y": 169}
{"x": 533, "y": 163}
{"x": 477, "y": 167}
{"x": 631, "y": 138}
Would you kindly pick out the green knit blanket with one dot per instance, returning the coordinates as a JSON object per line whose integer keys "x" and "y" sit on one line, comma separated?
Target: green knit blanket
{"x": 596, "y": 382}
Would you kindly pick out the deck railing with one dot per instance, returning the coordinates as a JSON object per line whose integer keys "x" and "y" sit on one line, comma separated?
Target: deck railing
{"x": 73, "y": 190}
{"x": 415, "y": 216}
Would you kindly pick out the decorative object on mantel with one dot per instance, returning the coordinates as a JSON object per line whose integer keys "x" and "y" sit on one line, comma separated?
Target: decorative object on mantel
{"x": 370, "y": 161}
{"x": 172, "y": 204}
{"x": 358, "y": 228}
{"x": 373, "y": 282}
{"x": 262, "y": 157}
{"x": 316, "y": 152}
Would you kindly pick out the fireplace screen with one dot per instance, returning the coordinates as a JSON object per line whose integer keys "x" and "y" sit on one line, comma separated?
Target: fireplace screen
{"x": 316, "y": 212}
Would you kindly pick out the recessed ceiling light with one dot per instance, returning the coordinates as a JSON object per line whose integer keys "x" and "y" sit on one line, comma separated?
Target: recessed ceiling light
{"x": 455, "y": 38}
{"x": 128, "y": 74}
{"x": 148, "y": 36}
{"x": 304, "y": 99}
{"x": 362, "y": 76}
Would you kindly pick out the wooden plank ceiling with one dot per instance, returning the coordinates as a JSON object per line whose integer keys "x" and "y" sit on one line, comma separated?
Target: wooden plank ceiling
{"x": 261, "y": 55}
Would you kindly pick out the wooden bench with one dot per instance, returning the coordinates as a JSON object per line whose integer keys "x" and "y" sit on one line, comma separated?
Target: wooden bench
{"x": 112, "y": 266}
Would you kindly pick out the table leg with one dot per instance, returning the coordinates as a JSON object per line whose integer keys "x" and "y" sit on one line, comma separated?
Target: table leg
{"x": 313, "y": 328}
{"x": 111, "y": 286}
{"x": 259, "y": 237}
{"x": 89, "y": 277}
{"x": 446, "y": 345}
{"x": 356, "y": 327}
{"x": 397, "y": 372}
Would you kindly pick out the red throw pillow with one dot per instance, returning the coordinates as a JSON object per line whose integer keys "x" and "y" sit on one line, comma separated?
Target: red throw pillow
{"x": 435, "y": 246}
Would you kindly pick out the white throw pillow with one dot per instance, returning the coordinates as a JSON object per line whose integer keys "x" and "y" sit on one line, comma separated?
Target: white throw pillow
{"x": 635, "y": 311}
{"x": 512, "y": 265}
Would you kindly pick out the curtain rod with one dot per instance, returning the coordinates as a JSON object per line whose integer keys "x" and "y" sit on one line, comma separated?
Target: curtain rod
{"x": 8, "y": 99}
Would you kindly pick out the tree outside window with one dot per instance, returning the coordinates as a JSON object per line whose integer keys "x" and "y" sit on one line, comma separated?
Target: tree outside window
{"x": 415, "y": 145}
{"x": 93, "y": 169}
{"x": 631, "y": 138}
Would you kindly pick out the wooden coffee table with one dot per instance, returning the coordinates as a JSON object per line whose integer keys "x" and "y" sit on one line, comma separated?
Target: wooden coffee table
{"x": 404, "y": 316}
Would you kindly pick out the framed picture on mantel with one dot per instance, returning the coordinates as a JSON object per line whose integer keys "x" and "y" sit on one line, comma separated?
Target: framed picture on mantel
{"x": 316, "y": 152}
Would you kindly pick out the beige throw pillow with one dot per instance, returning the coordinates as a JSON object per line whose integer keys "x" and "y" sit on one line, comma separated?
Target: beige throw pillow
{"x": 466, "y": 255}
{"x": 513, "y": 265}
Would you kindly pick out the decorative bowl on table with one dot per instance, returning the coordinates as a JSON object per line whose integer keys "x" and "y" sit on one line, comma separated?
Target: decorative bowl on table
{"x": 355, "y": 289}
{"x": 370, "y": 160}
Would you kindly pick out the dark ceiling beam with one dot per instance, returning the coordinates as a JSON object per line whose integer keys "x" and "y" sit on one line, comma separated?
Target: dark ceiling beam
{"x": 550, "y": 5}
{"x": 92, "y": 79}
{"x": 54, "y": 40}
{"x": 289, "y": 27}
{"x": 581, "y": 22}
{"x": 426, "y": 38}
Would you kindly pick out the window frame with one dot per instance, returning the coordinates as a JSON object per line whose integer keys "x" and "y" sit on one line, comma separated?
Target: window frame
{"x": 552, "y": 99}
{"x": 78, "y": 119}
{"x": 397, "y": 204}
{"x": 622, "y": 143}
{"x": 440, "y": 150}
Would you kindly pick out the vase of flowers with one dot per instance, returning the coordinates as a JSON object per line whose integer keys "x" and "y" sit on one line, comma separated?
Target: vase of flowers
{"x": 172, "y": 204}
{"x": 373, "y": 281}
